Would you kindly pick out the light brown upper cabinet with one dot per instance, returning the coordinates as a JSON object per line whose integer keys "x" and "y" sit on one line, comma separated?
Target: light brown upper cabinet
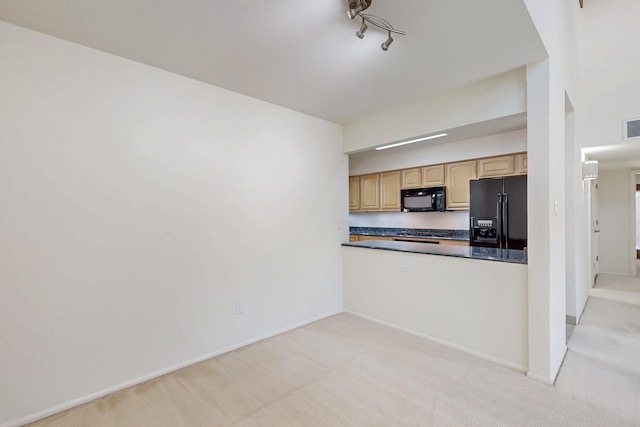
{"x": 354, "y": 193}
{"x": 426, "y": 176}
{"x": 521, "y": 163}
{"x": 370, "y": 192}
{"x": 496, "y": 166}
{"x": 375, "y": 192}
{"x": 433, "y": 176}
{"x": 458, "y": 176}
{"x": 390, "y": 191}
{"x": 412, "y": 178}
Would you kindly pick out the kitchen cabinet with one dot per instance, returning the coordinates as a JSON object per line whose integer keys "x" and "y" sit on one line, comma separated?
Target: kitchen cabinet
{"x": 354, "y": 193}
{"x": 422, "y": 177}
{"x": 457, "y": 177}
{"x": 455, "y": 242}
{"x": 375, "y": 192}
{"x": 521, "y": 164}
{"x": 362, "y": 237}
{"x": 390, "y": 191}
{"x": 496, "y": 166}
{"x": 370, "y": 192}
{"x": 412, "y": 178}
{"x": 381, "y": 191}
{"x": 433, "y": 176}
{"x": 437, "y": 241}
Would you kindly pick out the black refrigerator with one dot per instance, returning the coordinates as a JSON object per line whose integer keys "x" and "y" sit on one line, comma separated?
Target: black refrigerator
{"x": 498, "y": 212}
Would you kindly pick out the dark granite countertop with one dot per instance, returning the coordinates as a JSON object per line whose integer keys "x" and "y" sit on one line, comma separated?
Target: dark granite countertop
{"x": 412, "y": 232}
{"x": 514, "y": 256}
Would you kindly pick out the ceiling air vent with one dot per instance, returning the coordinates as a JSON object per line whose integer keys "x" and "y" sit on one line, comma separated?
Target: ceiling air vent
{"x": 631, "y": 128}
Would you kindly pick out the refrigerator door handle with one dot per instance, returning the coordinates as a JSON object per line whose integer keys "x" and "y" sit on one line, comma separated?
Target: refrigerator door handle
{"x": 499, "y": 217}
{"x": 505, "y": 218}
{"x": 471, "y": 234}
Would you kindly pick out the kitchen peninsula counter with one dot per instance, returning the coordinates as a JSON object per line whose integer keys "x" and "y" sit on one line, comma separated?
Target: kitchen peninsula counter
{"x": 490, "y": 254}
{"x": 452, "y": 294}
{"x": 458, "y": 235}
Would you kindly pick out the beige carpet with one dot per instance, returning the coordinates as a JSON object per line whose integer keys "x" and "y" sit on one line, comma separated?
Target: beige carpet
{"x": 347, "y": 371}
{"x": 617, "y": 288}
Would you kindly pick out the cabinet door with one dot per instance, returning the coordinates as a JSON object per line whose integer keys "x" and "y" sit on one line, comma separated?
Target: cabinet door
{"x": 433, "y": 176}
{"x": 353, "y": 237}
{"x": 390, "y": 190}
{"x": 412, "y": 178}
{"x": 370, "y": 192}
{"x": 362, "y": 237}
{"x": 521, "y": 163}
{"x": 458, "y": 176}
{"x": 496, "y": 166}
{"x": 354, "y": 193}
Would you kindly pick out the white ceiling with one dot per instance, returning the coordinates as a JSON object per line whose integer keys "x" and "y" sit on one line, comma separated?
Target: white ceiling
{"x": 303, "y": 55}
{"x": 625, "y": 155}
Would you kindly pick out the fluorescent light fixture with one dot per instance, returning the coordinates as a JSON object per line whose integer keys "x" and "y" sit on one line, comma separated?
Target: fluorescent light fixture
{"x": 411, "y": 141}
{"x": 589, "y": 170}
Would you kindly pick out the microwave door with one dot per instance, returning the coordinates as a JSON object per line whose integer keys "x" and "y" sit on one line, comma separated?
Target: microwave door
{"x": 417, "y": 203}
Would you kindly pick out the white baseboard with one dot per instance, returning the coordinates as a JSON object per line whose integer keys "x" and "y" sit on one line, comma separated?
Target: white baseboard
{"x": 540, "y": 378}
{"x": 550, "y": 380}
{"x": 484, "y": 356}
{"x": 93, "y": 396}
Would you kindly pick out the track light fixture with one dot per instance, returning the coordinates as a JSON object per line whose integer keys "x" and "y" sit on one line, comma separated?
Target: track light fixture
{"x": 356, "y": 7}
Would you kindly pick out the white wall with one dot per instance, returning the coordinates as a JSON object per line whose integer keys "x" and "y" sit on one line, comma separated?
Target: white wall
{"x": 546, "y": 220}
{"x": 607, "y": 33}
{"x": 548, "y": 89}
{"x": 616, "y": 207}
{"x": 137, "y": 207}
{"x": 608, "y": 37}
{"x": 502, "y": 96}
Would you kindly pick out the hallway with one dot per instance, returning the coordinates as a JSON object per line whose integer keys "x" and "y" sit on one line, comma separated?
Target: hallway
{"x": 602, "y": 365}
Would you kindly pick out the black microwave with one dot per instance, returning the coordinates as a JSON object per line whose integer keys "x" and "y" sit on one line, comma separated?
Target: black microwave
{"x": 423, "y": 200}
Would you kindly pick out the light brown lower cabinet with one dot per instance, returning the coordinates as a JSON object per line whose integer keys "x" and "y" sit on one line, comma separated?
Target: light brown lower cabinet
{"x": 437, "y": 241}
{"x": 362, "y": 237}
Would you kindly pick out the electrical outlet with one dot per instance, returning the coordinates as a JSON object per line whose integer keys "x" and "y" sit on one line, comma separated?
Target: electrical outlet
{"x": 404, "y": 266}
{"x": 239, "y": 307}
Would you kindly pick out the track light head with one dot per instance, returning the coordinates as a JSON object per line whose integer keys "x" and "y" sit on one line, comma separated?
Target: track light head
{"x": 357, "y": 6}
{"x": 362, "y": 30}
{"x": 387, "y": 43}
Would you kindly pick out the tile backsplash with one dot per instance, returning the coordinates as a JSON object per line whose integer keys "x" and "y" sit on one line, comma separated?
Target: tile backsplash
{"x": 454, "y": 220}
